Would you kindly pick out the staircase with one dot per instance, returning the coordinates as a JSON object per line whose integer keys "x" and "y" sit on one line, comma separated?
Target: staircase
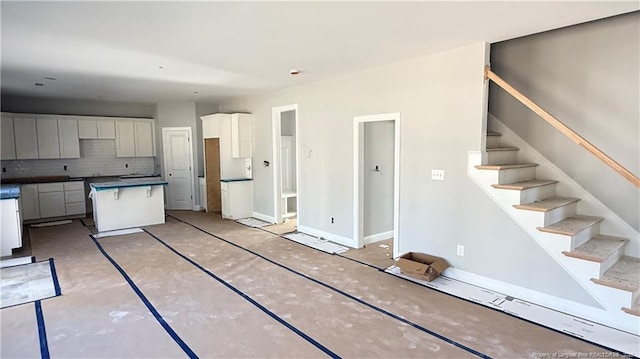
{"x": 597, "y": 261}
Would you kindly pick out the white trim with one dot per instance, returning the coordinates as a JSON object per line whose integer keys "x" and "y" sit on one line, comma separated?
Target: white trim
{"x": 192, "y": 172}
{"x": 378, "y": 237}
{"x": 275, "y": 160}
{"x": 263, "y": 217}
{"x": 336, "y": 238}
{"x": 358, "y": 177}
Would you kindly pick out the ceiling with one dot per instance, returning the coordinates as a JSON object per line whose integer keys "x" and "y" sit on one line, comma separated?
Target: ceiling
{"x": 150, "y": 52}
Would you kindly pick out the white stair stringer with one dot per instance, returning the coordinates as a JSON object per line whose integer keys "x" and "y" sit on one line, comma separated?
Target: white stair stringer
{"x": 610, "y": 299}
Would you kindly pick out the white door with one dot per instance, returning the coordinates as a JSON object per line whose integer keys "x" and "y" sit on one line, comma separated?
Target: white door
{"x": 176, "y": 144}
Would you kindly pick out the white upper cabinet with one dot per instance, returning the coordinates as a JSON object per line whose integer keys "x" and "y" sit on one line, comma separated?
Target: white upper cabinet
{"x": 211, "y": 125}
{"x": 87, "y": 129}
{"x": 96, "y": 129}
{"x": 125, "y": 139}
{"x": 68, "y": 138}
{"x": 106, "y": 129}
{"x": 241, "y": 136}
{"x": 144, "y": 139}
{"x": 48, "y": 139}
{"x": 26, "y": 137}
{"x": 8, "y": 151}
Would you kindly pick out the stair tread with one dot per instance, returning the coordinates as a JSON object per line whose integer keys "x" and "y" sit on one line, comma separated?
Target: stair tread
{"x": 495, "y": 149}
{"x": 547, "y": 204}
{"x": 493, "y": 134}
{"x": 625, "y": 275}
{"x": 525, "y": 184}
{"x": 572, "y": 225}
{"x": 634, "y": 309}
{"x": 598, "y": 248}
{"x": 506, "y": 166}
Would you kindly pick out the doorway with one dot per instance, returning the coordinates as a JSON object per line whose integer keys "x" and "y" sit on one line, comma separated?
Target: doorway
{"x": 285, "y": 163}
{"x": 178, "y": 164}
{"x": 376, "y": 179}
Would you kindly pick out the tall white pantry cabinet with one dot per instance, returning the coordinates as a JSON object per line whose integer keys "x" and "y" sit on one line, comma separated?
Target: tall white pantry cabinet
{"x": 228, "y": 171}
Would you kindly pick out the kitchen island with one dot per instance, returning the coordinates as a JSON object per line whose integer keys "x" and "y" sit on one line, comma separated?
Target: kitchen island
{"x": 127, "y": 203}
{"x": 11, "y": 230}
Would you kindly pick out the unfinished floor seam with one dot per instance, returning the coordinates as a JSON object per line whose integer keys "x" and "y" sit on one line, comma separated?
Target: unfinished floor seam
{"x": 248, "y": 298}
{"x": 343, "y": 293}
{"x": 146, "y": 302}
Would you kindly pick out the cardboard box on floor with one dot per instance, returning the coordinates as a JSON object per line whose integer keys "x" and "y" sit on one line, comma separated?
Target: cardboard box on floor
{"x": 421, "y": 266}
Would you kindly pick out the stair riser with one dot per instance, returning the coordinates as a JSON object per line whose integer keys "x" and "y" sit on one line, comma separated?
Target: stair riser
{"x": 611, "y": 260}
{"x": 516, "y": 175}
{"x": 502, "y": 157}
{"x": 558, "y": 214}
{"x": 616, "y": 297}
{"x": 537, "y": 193}
{"x": 583, "y": 236}
{"x": 493, "y": 141}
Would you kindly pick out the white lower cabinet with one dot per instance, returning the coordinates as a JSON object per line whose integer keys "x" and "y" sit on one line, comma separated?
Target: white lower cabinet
{"x": 56, "y": 199}
{"x": 29, "y": 201}
{"x": 237, "y": 198}
{"x": 11, "y": 229}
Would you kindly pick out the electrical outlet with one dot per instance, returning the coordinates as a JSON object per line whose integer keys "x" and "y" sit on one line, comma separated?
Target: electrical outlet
{"x": 126, "y": 165}
{"x": 65, "y": 167}
{"x": 437, "y": 175}
{"x": 331, "y": 219}
{"x": 460, "y": 250}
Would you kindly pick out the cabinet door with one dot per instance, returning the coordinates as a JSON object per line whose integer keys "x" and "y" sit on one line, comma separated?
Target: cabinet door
{"x": 144, "y": 139}
{"x": 51, "y": 204}
{"x": 8, "y": 141}
{"x": 210, "y": 127}
{"x": 87, "y": 129}
{"x": 125, "y": 139}
{"x": 48, "y": 140}
{"x": 69, "y": 140}
{"x": 241, "y": 136}
{"x": 29, "y": 201}
{"x": 106, "y": 130}
{"x": 26, "y": 136}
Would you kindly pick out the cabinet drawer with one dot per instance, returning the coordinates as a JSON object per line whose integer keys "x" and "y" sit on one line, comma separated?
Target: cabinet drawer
{"x": 74, "y": 186}
{"x": 74, "y": 196}
{"x": 51, "y": 187}
{"x": 75, "y": 208}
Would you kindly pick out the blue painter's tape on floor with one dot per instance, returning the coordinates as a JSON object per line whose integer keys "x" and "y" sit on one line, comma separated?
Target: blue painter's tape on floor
{"x": 42, "y": 332}
{"x": 146, "y": 302}
{"x": 54, "y": 276}
{"x": 249, "y": 299}
{"x": 378, "y": 309}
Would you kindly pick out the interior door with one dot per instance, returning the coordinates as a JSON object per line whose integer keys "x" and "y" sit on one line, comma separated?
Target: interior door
{"x": 176, "y": 144}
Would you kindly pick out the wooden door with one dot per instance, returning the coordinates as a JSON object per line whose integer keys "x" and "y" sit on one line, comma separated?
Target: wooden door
{"x": 212, "y": 174}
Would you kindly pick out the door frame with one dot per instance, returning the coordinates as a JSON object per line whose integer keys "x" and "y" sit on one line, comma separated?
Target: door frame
{"x": 358, "y": 176}
{"x": 164, "y": 161}
{"x": 277, "y": 180}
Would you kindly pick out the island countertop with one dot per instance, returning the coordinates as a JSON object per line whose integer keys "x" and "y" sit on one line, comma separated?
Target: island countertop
{"x": 10, "y": 191}
{"x": 100, "y": 186}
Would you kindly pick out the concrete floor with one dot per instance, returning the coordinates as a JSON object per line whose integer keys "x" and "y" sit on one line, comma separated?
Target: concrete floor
{"x": 270, "y": 298}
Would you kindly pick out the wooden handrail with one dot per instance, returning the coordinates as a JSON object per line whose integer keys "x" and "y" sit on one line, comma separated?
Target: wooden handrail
{"x": 488, "y": 74}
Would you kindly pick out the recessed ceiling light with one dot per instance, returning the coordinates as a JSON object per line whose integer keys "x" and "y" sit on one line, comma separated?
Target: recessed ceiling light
{"x": 161, "y": 67}
{"x": 196, "y": 92}
{"x": 294, "y": 72}
{"x": 50, "y": 78}
{"x": 39, "y": 84}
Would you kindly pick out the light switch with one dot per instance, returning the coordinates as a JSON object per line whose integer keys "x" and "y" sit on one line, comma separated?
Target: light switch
{"x": 437, "y": 175}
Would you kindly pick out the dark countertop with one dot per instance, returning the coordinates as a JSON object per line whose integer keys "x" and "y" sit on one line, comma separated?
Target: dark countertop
{"x": 10, "y": 191}
{"x": 100, "y": 186}
{"x": 49, "y": 179}
{"x": 235, "y": 179}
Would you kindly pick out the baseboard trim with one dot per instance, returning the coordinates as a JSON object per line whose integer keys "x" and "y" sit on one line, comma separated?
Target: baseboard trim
{"x": 378, "y": 237}
{"x": 263, "y": 217}
{"x": 577, "y": 309}
{"x": 326, "y": 235}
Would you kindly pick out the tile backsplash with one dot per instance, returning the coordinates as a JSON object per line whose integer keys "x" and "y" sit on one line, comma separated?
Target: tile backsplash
{"x": 97, "y": 158}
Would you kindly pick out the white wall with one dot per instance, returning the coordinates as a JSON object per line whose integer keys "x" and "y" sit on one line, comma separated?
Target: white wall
{"x": 588, "y": 77}
{"x": 440, "y": 98}
{"x": 378, "y": 185}
{"x": 179, "y": 114}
